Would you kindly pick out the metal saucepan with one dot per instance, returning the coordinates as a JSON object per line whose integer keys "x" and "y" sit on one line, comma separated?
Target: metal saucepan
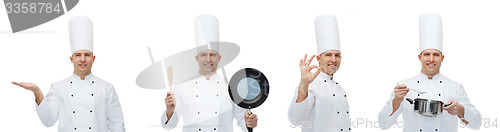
{"x": 425, "y": 107}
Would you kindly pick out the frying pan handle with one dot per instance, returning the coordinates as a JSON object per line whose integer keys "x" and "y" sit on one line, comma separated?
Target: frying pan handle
{"x": 446, "y": 105}
{"x": 248, "y": 128}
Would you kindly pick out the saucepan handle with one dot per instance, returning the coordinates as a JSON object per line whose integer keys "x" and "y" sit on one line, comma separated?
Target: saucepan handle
{"x": 409, "y": 100}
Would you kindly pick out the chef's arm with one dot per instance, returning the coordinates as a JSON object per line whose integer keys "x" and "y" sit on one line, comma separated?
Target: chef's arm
{"x": 170, "y": 102}
{"x": 390, "y": 112}
{"x": 302, "y": 92}
{"x": 48, "y": 109}
{"x": 114, "y": 111}
{"x": 170, "y": 117}
{"x": 461, "y": 113}
{"x": 169, "y": 122}
{"x": 469, "y": 115}
{"x": 239, "y": 116}
{"x": 299, "y": 113}
{"x": 32, "y": 87}
{"x": 396, "y": 103}
{"x": 399, "y": 93}
{"x": 38, "y": 96}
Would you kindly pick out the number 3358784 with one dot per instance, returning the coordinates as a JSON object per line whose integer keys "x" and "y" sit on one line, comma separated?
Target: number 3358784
{"x": 33, "y": 8}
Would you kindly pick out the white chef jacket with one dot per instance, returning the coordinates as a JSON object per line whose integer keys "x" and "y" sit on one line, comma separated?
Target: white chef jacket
{"x": 205, "y": 106}
{"x": 82, "y": 105}
{"x": 324, "y": 110}
{"x": 438, "y": 88}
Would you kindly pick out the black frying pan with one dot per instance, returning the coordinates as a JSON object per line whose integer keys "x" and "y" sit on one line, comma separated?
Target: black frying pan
{"x": 248, "y": 88}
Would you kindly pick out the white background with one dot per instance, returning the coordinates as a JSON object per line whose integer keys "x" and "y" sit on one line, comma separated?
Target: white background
{"x": 379, "y": 47}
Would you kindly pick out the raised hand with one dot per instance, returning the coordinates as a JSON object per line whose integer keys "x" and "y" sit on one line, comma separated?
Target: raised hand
{"x": 31, "y": 87}
{"x": 400, "y": 92}
{"x": 170, "y": 103}
{"x": 28, "y": 86}
{"x": 306, "y": 77}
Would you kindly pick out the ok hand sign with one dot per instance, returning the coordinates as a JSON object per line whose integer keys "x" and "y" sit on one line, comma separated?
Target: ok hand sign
{"x": 305, "y": 70}
{"x": 306, "y": 77}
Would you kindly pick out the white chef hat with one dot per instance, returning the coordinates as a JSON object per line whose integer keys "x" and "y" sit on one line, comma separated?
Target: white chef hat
{"x": 81, "y": 34}
{"x": 206, "y": 32}
{"x": 431, "y": 32}
{"x": 327, "y": 33}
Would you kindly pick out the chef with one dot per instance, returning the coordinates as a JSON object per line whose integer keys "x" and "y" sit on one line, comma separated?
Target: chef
{"x": 320, "y": 103}
{"x": 204, "y": 101}
{"x": 436, "y": 86}
{"x": 81, "y": 102}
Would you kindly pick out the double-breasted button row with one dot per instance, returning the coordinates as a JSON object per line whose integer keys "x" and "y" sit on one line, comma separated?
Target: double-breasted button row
{"x": 199, "y": 129}
{"x": 343, "y": 129}
{"x": 335, "y": 82}
{"x": 71, "y": 82}
{"x": 198, "y": 112}
{"x": 215, "y": 95}
{"x": 344, "y": 95}
{"x": 338, "y": 112}
{"x": 434, "y": 129}
{"x": 89, "y": 111}
{"x": 89, "y": 128}
{"x": 440, "y": 81}
{"x": 90, "y": 95}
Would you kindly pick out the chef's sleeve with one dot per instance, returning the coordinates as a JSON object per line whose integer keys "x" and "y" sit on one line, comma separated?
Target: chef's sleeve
{"x": 471, "y": 114}
{"x": 299, "y": 113}
{"x": 48, "y": 110}
{"x": 114, "y": 111}
{"x": 176, "y": 114}
{"x": 239, "y": 115}
{"x": 384, "y": 119}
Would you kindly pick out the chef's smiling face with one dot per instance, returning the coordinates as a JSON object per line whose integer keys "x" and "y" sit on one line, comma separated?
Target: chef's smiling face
{"x": 329, "y": 61}
{"x": 82, "y": 62}
{"x": 208, "y": 60}
{"x": 431, "y": 60}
